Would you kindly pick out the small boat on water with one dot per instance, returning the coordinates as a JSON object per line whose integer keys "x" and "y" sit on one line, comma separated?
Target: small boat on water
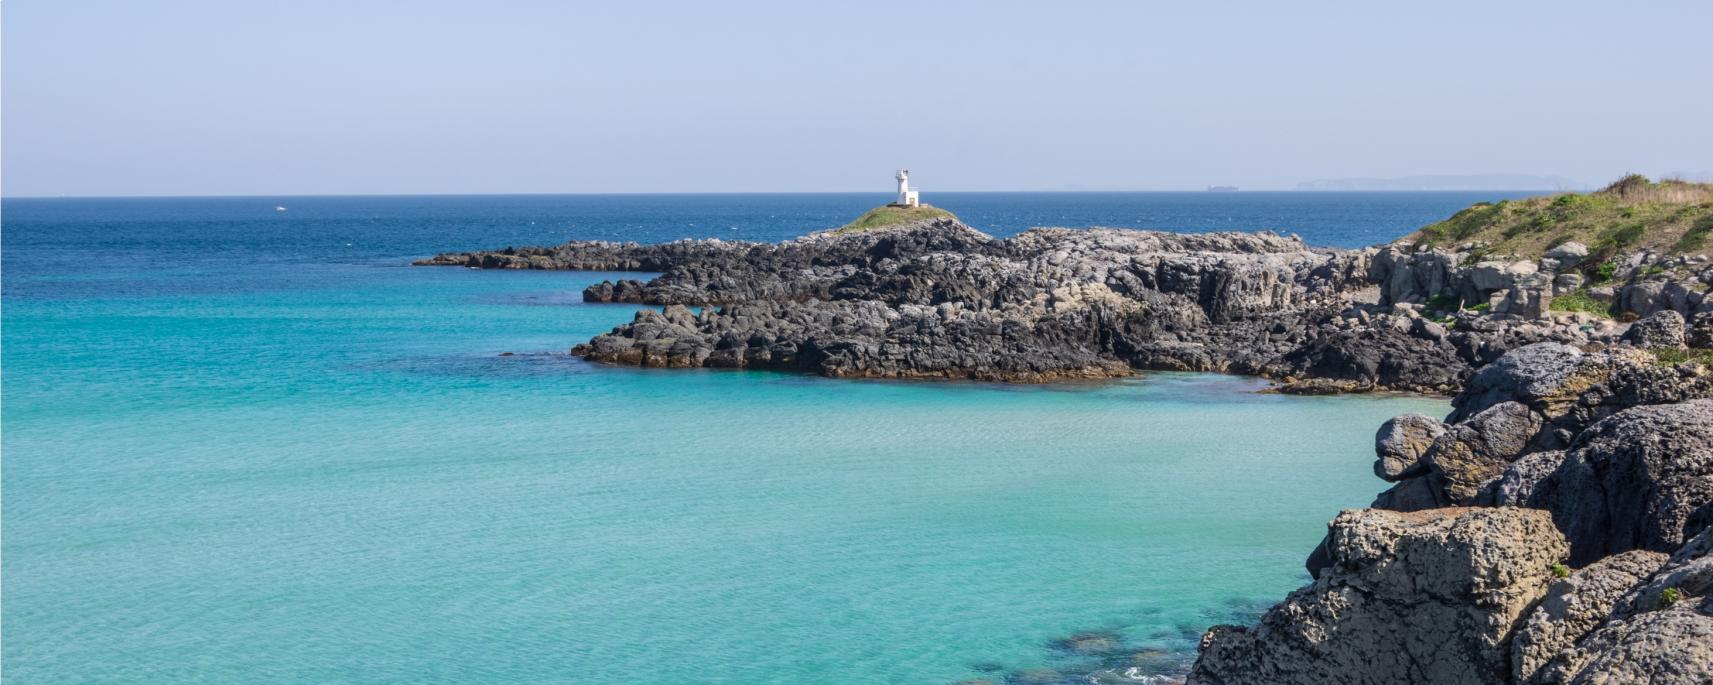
{"x": 279, "y": 208}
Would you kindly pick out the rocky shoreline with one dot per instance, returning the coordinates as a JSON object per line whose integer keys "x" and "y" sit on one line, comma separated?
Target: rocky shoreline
{"x": 1556, "y": 527}
{"x": 938, "y": 299}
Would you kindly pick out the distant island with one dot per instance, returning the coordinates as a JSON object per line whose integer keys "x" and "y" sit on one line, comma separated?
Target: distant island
{"x": 1222, "y": 189}
{"x": 1446, "y": 182}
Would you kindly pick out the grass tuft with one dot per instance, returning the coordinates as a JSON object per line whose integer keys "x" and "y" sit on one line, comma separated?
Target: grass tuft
{"x": 889, "y": 216}
{"x": 1579, "y": 301}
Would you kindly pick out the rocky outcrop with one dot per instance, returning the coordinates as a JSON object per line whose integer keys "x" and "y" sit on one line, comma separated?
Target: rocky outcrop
{"x": 1425, "y": 597}
{"x": 938, "y": 299}
{"x": 593, "y": 255}
{"x": 1611, "y": 450}
{"x": 1659, "y": 631}
{"x": 1640, "y": 283}
{"x": 1572, "y": 608}
{"x": 1640, "y": 479}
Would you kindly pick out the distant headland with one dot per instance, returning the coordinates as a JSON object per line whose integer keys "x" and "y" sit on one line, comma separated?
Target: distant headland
{"x": 1447, "y": 182}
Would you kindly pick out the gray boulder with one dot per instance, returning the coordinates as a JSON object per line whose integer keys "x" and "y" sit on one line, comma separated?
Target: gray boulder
{"x": 1569, "y": 254}
{"x": 1400, "y": 444}
{"x": 1664, "y": 328}
{"x": 1426, "y": 597}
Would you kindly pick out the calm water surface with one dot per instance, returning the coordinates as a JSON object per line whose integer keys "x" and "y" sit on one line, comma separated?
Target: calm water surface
{"x": 244, "y": 445}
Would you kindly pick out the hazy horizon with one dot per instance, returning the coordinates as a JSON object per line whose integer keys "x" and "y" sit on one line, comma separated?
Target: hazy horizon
{"x": 199, "y": 98}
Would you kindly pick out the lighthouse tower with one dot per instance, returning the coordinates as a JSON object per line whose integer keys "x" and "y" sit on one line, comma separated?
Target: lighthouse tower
{"x": 906, "y": 195}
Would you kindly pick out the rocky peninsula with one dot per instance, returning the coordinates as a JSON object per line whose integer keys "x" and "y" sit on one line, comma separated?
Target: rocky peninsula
{"x": 1556, "y": 527}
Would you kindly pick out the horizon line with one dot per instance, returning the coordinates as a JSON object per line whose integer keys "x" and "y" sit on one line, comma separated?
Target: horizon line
{"x": 765, "y": 192}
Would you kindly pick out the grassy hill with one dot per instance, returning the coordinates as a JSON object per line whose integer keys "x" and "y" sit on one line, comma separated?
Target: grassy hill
{"x": 887, "y": 216}
{"x": 1668, "y": 217}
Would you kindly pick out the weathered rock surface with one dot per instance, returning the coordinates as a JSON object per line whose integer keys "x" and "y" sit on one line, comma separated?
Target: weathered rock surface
{"x": 1659, "y": 632}
{"x": 1573, "y": 607}
{"x": 1424, "y": 597}
{"x": 1615, "y": 449}
{"x": 1664, "y": 328}
{"x": 1640, "y": 479}
{"x": 1473, "y": 453}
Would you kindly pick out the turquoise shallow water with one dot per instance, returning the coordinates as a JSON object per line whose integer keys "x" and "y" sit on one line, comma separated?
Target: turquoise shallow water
{"x": 275, "y": 466}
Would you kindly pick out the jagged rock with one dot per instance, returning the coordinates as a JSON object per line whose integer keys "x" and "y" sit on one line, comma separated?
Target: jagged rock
{"x": 1664, "y": 328}
{"x": 1426, "y": 597}
{"x": 1573, "y": 607}
{"x": 1640, "y": 479}
{"x": 1400, "y": 444}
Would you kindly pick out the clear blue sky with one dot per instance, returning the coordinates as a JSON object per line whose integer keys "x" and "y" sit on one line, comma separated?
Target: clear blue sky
{"x": 174, "y": 97}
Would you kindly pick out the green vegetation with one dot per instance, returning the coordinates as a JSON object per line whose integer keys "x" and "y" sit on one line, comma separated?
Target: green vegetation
{"x": 1579, "y": 301}
{"x": 1669, "y": 597}
{"x": 1668, "y": 216}
{"x": 1696, "y": 237}
{"x": 1671, "y": 356}
{"x": 1559, "y": 570}
{"x": 888, "y": 216}
{"x": 1604, "y": 271}
{"x": 1442, "y": 304}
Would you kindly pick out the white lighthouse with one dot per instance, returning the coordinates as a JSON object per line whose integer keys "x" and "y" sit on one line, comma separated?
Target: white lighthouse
{"x": 906, "y": 195}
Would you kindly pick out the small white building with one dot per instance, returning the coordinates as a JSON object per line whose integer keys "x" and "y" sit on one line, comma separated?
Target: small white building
{"x": 906, "y": 194}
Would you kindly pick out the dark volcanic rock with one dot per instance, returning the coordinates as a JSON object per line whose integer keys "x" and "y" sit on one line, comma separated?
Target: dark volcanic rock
{"x": 1640, "y": 479}
{"x": 1663, "y": 328}
{"x": 940, "y": 300}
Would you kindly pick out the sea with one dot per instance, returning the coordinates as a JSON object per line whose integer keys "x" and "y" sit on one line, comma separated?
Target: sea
{"x": 249, "y": 444}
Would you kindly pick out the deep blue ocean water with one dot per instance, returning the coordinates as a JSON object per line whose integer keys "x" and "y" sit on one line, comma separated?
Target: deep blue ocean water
{"x": 243, "y": 445}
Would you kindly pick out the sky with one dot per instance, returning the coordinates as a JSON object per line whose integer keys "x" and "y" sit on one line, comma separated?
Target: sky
{"x": 180, "y": 97}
